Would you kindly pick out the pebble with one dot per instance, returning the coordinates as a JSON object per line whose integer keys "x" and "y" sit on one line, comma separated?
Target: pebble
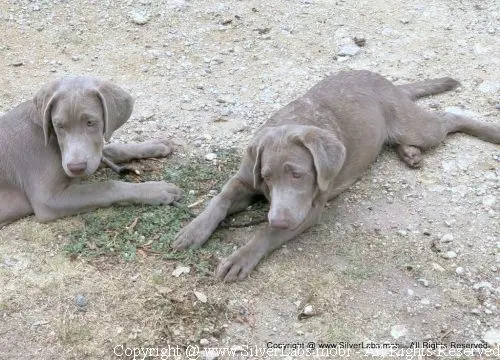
{"x": 489, "y": 200}
{"x": 81, "y": 301}
{"x": 201, "y": 296}
{"x": 449, "y": 255}
{"x": 460, "y": 270}
{"x": 492, "y": 337}
{"x": 438, "y": 267}
{"x": 139, "y": 18}
{"x": 204, "y": 342}
{"x": 398, "y": 331}
{"x": 423, "y": 281}
{"x": 210, "y": 355}
{"x": 447, "y": 238}
{"x": 211, "y": 156}
{"x": 308, "y": 310}
{"x": 181, "y": 270}
{"x": 489, "y": 86}
{"x": 349, "y": 50}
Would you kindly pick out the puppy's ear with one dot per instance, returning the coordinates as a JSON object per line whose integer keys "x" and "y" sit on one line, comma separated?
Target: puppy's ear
{"x": 254, "y": 155}
{"x": 117, "y": 106}
{"x": 327, "y": 151}
{"x": 44, "y": 99}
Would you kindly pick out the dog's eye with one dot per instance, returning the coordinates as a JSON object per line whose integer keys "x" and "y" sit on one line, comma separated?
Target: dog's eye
{"x": 90, "y": 123}
{"x": 59, "y": 125}
{"x": 296, "y": 175}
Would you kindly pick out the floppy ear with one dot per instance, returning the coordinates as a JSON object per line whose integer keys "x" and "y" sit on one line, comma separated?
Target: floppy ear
{"x": 327, "y": 151}
{"x": 254, "y": 155}
{"x": 117, "y": 106}
{"x": 43, "y": 100}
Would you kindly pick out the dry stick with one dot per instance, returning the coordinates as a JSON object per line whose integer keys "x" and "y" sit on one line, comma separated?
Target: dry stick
{"x": 120, "y": 170}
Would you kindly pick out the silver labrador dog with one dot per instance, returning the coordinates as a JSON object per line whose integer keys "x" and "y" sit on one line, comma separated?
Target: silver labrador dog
{"x": 47, "y": 143}
{"x": 316, "y": 147}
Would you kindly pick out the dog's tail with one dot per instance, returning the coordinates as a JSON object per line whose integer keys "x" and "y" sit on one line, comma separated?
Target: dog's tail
{"x": 429, "y": 87}
{"x": 486, "y": 131}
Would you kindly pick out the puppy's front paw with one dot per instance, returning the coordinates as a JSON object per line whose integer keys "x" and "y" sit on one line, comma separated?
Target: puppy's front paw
{"x": 159, "y": 193}
{"x": 238, "y": 265}
{"x": 192, "y": 236}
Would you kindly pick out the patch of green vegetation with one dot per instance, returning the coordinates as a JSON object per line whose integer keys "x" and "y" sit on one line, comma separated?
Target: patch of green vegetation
{"x": 128, "y": 230}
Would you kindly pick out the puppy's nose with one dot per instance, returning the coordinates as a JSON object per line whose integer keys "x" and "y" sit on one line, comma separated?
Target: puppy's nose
{"x": 77, "y": 168}
{"x": 279, "y": 223}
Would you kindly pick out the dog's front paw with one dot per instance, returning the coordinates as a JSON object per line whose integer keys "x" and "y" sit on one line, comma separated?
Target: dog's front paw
{"x": 159, "y": 193}
{"x": 192, "y": 236}
{"x": 239, "y": 264}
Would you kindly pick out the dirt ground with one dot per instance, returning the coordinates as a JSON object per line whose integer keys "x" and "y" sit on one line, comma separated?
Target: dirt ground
{"x": 404, "y": 256}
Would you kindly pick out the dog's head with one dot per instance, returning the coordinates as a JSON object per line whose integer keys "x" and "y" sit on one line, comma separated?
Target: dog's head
{"x": 294, "y": 165}
{"x": 81, "y": 112}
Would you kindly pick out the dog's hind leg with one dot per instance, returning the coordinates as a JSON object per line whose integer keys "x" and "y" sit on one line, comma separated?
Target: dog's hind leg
{"x": 422, "y": 130}
{"x": 119, "y": 153}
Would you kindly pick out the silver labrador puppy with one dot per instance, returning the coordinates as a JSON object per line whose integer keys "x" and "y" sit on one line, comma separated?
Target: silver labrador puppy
{"x": 316, "y": 147}
{"x": 49, "y": 142}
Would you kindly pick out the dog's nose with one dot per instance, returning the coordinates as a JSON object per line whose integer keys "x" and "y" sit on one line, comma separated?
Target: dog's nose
{"x": 77, "y": 168}
{"x": 278, "y": 223}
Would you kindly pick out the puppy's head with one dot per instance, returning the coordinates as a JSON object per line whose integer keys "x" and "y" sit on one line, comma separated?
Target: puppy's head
{"x": 81, "y": 112}
{"x": 294, "y": 165}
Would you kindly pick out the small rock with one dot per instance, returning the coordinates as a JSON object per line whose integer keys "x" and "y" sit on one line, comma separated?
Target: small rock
{"x": 460, "y": 270}
{"x": 402, "y": 232}
{"x": 438, "y": 267}
{"x": 410, "y": 292}
{"x": 483, "y": 285}
{"x": 308, "y": 310}
{"x": 181, "y": 270}
{"x": 139, "y": 18}
{"x": 9, "y": 262}
{"x": 211, "y": 156}
{"x": 423, "y": 281}
{"x": 349, "y": 50}
{"x": 489, "y": 200}
{"x": 398, "y": 331}
{"x": 449, "y": 255}
{"x": 81, "y": 301}
{"x": 492, "y": 337}
{"x": 201, "y": 296}
{"x": 210, "y": 354}
{"x": 425, "y": 301}
{"x": 204, "y": 342}
{"x": 447, "y": 238}
{"x": 489, "y": 86}
{"x": 163, "y": 290}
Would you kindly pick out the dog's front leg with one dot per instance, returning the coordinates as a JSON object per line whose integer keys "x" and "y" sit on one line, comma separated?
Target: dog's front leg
{"x": 241, "y": 262}
{"x": 235, "y": 196}
{"x": 79, "y": 198}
